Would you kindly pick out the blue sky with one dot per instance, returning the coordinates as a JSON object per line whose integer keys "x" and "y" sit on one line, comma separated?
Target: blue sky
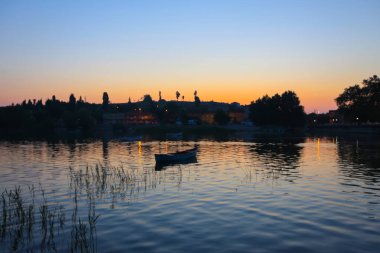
{"x": 228, "y": 50}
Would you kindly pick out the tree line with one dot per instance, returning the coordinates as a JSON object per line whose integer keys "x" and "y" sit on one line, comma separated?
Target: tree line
{"x": 32, "y": 117}
{"x": 358, "y": 103}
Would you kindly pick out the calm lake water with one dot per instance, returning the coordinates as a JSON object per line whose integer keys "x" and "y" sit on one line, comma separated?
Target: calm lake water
{"x": 259, "y": 195}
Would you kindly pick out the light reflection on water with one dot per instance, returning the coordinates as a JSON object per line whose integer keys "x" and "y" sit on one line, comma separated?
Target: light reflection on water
{"x": 267, "y": 195}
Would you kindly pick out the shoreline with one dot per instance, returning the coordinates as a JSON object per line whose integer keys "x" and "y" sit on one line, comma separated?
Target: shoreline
{"x": 160, "y": 131}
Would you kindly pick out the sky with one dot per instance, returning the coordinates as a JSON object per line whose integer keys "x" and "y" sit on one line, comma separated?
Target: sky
{"x": 227, "y": 50}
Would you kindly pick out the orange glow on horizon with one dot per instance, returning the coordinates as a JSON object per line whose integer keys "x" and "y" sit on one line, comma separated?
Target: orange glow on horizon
{"x": 311, "y": 100}
{"x": 314, "y": 95}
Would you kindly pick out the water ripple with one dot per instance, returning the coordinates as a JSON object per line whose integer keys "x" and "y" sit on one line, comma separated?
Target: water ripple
{"x": 286, "y": 195}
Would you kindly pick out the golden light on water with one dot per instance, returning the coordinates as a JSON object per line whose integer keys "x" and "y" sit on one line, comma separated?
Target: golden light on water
{"x": 139, "y": 145}
{"x": 318, "y": 149}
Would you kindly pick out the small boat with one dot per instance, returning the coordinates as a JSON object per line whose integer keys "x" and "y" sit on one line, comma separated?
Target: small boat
{"x": 176, "y": 157}
{"x": 174, "y": 135}
{"x": 131, "y": 138}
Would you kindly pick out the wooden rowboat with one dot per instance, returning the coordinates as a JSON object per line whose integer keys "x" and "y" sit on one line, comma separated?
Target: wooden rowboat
{"x": 177, "y": 156}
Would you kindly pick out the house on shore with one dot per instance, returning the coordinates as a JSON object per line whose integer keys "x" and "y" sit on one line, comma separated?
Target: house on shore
{"x": 174, "y": 112}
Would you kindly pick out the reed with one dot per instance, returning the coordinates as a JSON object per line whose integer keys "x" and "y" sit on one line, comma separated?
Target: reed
{"x": 103, "y": 179}
{"x": 33, "y": 223}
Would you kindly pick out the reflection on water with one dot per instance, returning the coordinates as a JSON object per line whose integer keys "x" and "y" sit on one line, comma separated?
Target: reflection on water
{"x": 280, "y": 158}
{"x": 272, "y": 195}
{"x": 360, "y": 160}
{"x": 105, "y": 150}
{"x": 162, "y": 166}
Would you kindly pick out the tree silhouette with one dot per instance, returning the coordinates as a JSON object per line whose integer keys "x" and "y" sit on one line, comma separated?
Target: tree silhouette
{"x": 72, "y": 102}
{"x": 361, "y": 103}
{"x": 106, "y": 100}
{"x": 292, "y": 112}
{"x": 148, "y": 103}
{"x": 72, "y": 99}
{"x": 197, "y": 101}
{"x": 147, "y": 99}
{"x": 284, "y": 110}
{"x": 177, "y": 94}
{"x": 39, "y": 104}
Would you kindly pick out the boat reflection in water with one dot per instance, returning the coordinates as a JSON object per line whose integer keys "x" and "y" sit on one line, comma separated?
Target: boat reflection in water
{"x": 163, "y": 166}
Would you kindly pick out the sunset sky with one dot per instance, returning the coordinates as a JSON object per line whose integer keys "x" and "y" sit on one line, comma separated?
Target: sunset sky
{"x": 226, "y": 50}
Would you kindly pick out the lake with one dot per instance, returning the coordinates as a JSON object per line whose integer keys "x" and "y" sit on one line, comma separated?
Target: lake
{"x": 279, "y": 194}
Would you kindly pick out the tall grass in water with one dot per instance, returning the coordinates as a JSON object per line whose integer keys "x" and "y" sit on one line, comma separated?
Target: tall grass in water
{"x": 31, "y": 223}
{"x": 116, "y": 182}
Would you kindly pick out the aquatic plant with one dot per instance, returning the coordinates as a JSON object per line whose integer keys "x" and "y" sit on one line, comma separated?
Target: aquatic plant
{"x": 32, "y": 223}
